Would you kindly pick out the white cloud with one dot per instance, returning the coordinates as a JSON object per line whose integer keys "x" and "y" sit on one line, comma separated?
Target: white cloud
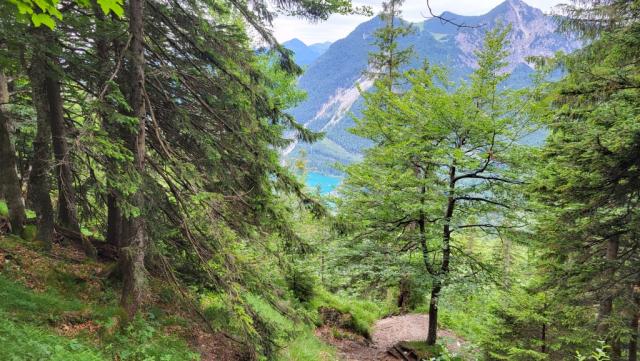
{"x": 339, "y": 26}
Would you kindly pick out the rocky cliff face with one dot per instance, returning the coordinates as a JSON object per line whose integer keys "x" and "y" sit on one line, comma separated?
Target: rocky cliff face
{"x": 532, "y": 33}
{"x": 333, "y": 80}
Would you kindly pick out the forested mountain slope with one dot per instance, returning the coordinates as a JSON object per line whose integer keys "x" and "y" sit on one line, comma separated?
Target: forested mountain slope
{"x": 332, "y": 81}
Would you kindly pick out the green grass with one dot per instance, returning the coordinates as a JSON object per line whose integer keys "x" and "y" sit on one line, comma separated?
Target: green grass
{"x": 300, "y": 343}
{"x": 307, "y": 347}
{"x": 24, "y": 305}
{"x": 364, "y": 313}
{"x": 270, "y": 314}
{"x": 4, "y": 211}
{"x": 28, "y": 320}
{"x": 27, "y": 342}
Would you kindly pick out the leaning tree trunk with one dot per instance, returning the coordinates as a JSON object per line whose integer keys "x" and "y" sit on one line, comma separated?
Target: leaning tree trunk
{"x": 132, "y": 255}
{"x": 9, "y": 180}
{"x": 39, "y": 185}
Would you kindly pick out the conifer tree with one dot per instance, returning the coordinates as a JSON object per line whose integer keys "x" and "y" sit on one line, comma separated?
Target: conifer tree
{"x": 386, "y": 63}
{"x": 588, "y": 183}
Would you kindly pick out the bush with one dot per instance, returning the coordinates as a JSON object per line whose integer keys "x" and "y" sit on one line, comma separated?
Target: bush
{"x": 140, "y": 340}
{"x": 302, "y": 284}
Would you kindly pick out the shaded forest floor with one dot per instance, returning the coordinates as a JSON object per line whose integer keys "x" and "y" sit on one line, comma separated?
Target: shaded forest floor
{"x": 386, "y": 333}
{"x": 60, "y": 305}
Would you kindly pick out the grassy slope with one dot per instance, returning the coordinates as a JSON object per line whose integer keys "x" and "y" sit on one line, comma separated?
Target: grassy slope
{"x": 54, "y": 308}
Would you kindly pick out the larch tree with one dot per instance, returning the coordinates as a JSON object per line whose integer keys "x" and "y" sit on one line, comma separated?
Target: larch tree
{"x": 448, "y": 163}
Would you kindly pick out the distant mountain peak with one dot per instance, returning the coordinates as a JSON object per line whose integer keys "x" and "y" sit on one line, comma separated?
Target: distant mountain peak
{"x": 294, "y": 42}
{"x": 334, "y": 80}
{"x": 305, "y": 54}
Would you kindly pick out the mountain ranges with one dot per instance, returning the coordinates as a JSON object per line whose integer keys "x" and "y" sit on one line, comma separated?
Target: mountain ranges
{"x": 334, "y": 77}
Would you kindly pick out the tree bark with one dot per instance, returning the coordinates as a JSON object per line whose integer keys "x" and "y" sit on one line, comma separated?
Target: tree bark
{"x": 39, "y": 185}
{"x": 114, "y": 220}
{"x": 132, "y": 255}
{"x": 9, "y": 180}
{"x": 104, "y": 65}
{"x": 616, "y": 350}
{"x": 67, "y": 214}
{"x": 605, "y": 308}
{"x": 543, "y": 338}
{"x": 635, "y": 321}
{"x": 432, "y": 334}
{"x": 67, "y": 211}
{"x": 633, "y": 342}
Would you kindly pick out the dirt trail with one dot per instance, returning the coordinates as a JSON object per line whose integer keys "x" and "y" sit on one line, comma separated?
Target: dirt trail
{"x": 386, "y": 333}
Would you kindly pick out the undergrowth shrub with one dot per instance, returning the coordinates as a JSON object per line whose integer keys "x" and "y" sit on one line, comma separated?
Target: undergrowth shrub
{"x": 302, "y": 283}
{"x": 140, "y": 340}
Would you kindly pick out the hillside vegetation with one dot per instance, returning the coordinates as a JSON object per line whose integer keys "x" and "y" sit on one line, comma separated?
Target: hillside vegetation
{"x": 146, "y": 212}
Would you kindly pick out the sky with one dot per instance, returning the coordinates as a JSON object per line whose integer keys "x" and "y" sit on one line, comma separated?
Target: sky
{"x": 339, "y": 26}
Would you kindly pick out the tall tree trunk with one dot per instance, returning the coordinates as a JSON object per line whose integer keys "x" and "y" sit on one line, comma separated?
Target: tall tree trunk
{"x": 606, "y": 304}
{"x": 39, "y": 185}
{"x": 132, "y": 254}
{"x": 404, "y": 294}
{"x": 114, "y": 219}
{"x": 635, "y": 321}
{"x": 616, "y": 350}
{"x": 104, "y": 66}
{"x": 432, "y": 334}
{"x": 67, "y": 212}
{"x": 633, "y": 342}
{"x": 543, "y": 338}
{"x": 9, "y": 180}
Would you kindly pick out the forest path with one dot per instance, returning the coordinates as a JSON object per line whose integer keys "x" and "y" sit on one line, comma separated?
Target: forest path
{"x": 386, "y": 333}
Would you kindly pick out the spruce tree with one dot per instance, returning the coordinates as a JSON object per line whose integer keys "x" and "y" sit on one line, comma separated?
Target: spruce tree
{"x": 588, "y": 183}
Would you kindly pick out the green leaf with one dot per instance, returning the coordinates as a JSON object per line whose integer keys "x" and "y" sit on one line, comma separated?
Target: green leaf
{"x": 39, "y": 19}
{"x": 23, "y": 7}
{"x": 112, "y": 5}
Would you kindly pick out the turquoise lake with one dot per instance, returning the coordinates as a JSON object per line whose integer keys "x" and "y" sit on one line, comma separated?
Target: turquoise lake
{"x": 325, "y": 182}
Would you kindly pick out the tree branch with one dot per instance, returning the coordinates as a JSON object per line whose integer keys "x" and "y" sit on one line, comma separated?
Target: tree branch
{"x": 480, "y": 199}
{"x": 448, "y": 21}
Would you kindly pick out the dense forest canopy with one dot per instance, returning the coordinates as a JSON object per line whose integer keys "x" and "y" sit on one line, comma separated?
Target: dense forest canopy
{"x": 146, "y": 213}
